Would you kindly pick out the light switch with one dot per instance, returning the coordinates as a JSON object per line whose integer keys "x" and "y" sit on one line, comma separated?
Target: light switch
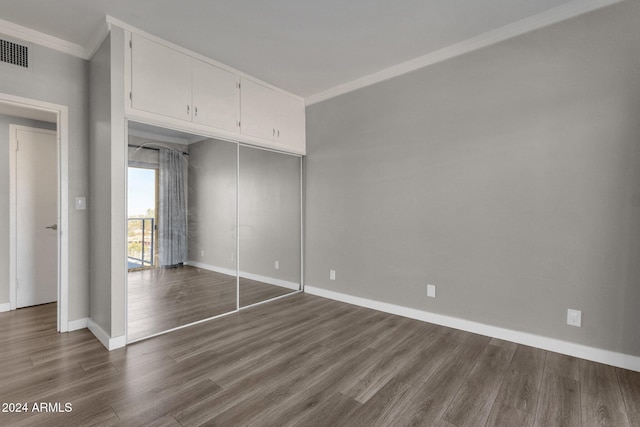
{"x": 81, "y": 203}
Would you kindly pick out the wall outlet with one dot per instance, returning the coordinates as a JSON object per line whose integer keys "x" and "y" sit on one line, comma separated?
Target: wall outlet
{"x": 332, "y": 275}
{"x": 431, "y": 291}
{"x": 276, "y": 265}
{"x": 574, "y": 317}
{"x": 202, "y": 253}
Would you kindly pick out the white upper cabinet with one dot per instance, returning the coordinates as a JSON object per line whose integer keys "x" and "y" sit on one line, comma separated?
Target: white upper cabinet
{"x": 173, "y": 87}
{"x": 160, "y": 79}
{"x": 289, "y": 121}
{"x": 271, "y": 115}
{"x": 216, "y": 98}
{"x": 256, "y": 113}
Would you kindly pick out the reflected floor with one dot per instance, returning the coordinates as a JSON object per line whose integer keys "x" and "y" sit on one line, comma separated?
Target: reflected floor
{"x": 162, "y": 299}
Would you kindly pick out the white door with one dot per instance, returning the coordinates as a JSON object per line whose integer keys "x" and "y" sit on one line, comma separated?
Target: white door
{"x": 289, "y": 121}
{"x": 256, "y": 110}
{"x": 160, "y": 79}
{"x": 216, "y": 96}
{"x": 36, "y": 216}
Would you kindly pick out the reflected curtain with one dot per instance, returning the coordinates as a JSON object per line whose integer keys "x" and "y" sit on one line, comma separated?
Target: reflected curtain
{"x": 172, "y": 218}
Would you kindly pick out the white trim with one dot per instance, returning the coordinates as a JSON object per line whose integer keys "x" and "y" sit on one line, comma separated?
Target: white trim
{"x": 255, "y": 304}
{"x": 612, "y": 358}
{"x": 222, "y": 270}
{"x": 172, "y": 123}
{"x": 95, "y": 41}
{"x": 237, "y": 228}
{"x": 271, "y": 280}
{"x": 104, "y": 338}
{"x": 63, "y": 217}
{"x": 265, "y": 279}
{"x": 37, "y": 37}
{"x": 5, "y": 306}
{"x": 302, "y": 194}
{"x": 546, "y": 18}
{"x": 177, "y": 328}
{"x": 13, "y": 250}
{"x": 162, "y": 138}
{"x": 75, "y": 325}
{"x": 62, "y": 114}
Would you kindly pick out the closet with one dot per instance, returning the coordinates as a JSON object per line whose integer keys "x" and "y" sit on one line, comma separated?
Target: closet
{"x": 243, "y": 231}
{"x": 241, "y": 142}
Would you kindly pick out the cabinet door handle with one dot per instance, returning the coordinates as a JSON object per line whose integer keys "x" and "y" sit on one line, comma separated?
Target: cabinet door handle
{"x": 195, "y": 110}
{"x": 278, "y": 133}
{"x": 188, "y": 110}
{"x": 274, "y": 132}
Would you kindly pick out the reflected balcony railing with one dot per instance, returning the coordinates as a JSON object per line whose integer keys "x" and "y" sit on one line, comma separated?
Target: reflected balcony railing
{"x": 141, "y": 242}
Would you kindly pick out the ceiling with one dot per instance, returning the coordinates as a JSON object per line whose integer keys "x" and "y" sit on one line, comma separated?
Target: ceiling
{"x": 305, "y": 47}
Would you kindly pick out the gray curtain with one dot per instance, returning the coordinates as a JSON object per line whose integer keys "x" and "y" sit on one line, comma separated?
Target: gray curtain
{"x": 172, "y": 218}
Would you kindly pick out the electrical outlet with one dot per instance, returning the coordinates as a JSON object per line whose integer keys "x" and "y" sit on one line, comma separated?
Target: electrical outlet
{"x": 201, "y": 253}
{"x": 332, "y": 275}
{"x": 574, "y": 317}
{"x": 431, "y": 291}
{"x": 276, "y": 265}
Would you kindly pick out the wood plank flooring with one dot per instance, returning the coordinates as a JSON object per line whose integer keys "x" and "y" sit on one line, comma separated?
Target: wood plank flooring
{"x": 303, "y": 361}
{"x": 162, "y": 299}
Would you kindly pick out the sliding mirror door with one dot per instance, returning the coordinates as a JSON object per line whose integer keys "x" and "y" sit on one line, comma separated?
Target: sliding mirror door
{"x": 181, "y": 229}
{"x": 269, "y": 203}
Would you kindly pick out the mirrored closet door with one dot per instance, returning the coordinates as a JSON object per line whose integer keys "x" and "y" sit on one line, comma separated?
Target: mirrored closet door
{"x": 269, "y": 213}
{"x": 182, "y": 199}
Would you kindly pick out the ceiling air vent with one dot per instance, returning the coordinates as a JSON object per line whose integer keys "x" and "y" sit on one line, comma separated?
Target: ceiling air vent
{"x": 14, "y": 53}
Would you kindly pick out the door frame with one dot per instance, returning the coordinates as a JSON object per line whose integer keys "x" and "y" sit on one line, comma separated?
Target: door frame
{"x": 62, "y": 163}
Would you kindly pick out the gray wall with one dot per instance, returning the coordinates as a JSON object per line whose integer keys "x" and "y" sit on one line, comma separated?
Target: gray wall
{"x": 508, "y": 177}
{"x": 269, "y": 204}
{"x": 62, "y": 79}
{"x": 5, "y": 121}
{"x": 212, "y": 203}
{"x": 100, "y": 179}
{"x": 108, "y": 187}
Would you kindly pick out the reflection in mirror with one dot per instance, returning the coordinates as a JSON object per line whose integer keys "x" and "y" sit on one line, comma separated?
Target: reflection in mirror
{"x": 181, "y": 230}
{"x": 269, "y": 224}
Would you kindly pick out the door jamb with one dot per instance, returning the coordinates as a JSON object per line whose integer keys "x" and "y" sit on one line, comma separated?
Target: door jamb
{"x": 62, "y": 130}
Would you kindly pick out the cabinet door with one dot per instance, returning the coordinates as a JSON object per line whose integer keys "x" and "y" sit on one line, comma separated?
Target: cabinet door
{"x": 216, "y": 96}
{"x": 256, "y": 110}
{"x": 289, "y": 121}
{"x": 160, "y": 79}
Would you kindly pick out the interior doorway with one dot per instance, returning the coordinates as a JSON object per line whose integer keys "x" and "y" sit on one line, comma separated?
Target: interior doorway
{"x": 57, "y": 115}
{"x": 33, "y": 204}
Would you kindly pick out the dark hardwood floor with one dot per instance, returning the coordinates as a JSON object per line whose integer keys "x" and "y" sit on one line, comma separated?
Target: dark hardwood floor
{"x": 162, "y": 299}
{"x": 307, "y": 361}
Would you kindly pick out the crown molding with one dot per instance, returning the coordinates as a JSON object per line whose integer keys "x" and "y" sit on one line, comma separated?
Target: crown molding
{"x": 96, "y": 39}
{"x": 546, "y": 18}
{"x": 36, "y": 37}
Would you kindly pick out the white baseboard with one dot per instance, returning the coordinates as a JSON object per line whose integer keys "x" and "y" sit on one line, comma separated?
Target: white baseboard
{"x": 270, "y": 280}
{"x": 265, "y": 279}
{"x": 104, "y": 338}
{"x": 607, "y": 357}
{"x": 5, "y": 306}
{"x": 202, "y": 265}
{"x": 75, "y": 325}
